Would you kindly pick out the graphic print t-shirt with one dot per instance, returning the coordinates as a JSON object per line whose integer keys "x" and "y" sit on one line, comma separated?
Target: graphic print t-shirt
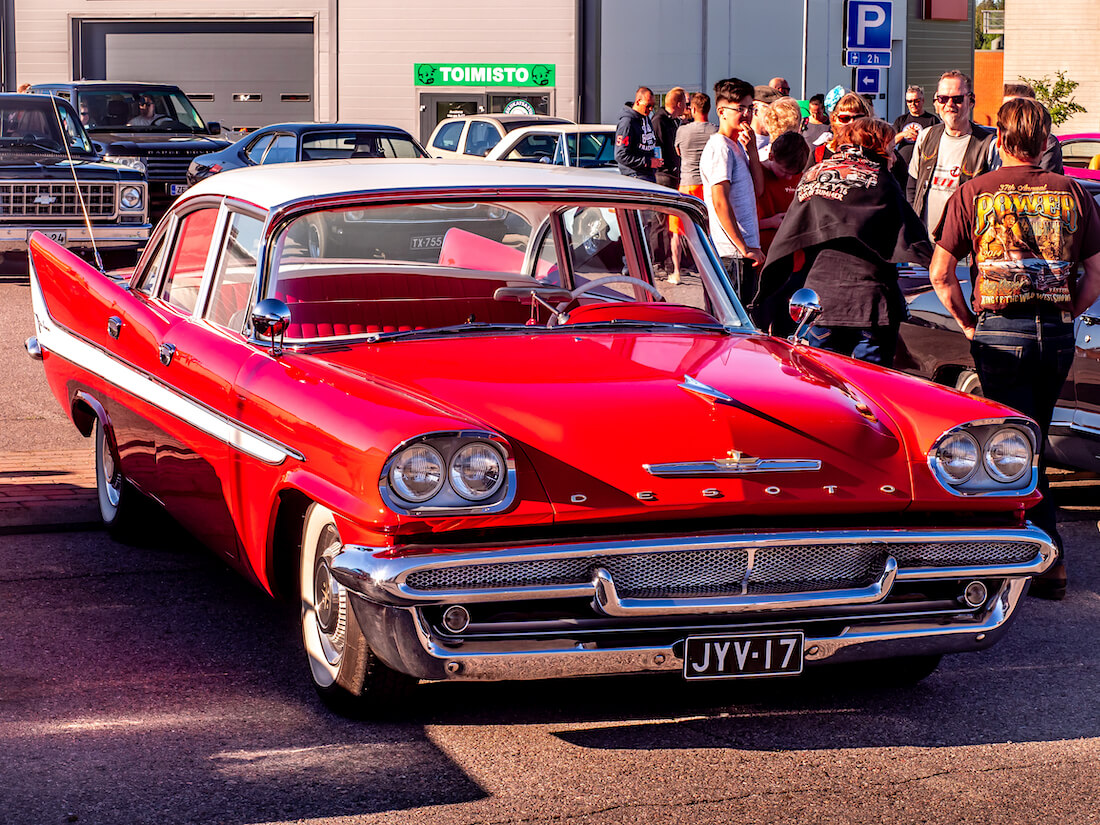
{"x": 1027, "y": 229}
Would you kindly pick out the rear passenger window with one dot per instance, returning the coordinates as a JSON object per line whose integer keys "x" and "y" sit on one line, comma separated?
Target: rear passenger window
{"x": 181, "y": 284}
{"x": 284, "y": 149}
{"x": 229, "y": 297}
{"x": 256, "y": 151}
{"x": 480, "y": 138}
{"x": 448, "y": 136}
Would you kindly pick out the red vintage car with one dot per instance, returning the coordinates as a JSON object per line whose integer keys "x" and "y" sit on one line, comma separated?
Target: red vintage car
{"x": 527, "y": 456}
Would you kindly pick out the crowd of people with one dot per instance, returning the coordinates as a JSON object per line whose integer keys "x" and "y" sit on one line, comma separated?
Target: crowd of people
{"x": 837, "y": 198}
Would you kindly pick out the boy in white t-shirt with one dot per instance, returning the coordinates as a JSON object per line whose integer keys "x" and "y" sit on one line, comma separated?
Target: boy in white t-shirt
{"x": 732, "y": 175}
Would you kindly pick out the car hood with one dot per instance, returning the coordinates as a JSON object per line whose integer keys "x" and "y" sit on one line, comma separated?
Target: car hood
{"x": 58, "y": 167}
{"x": 138, "y": 143}
{"x": 592, "y": 410}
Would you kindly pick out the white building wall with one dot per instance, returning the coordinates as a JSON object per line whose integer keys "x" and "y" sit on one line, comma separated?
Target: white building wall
{"x": 380, "y": 43}
{"x": 43, "y": 31}
{"x": 1042, "y": 38}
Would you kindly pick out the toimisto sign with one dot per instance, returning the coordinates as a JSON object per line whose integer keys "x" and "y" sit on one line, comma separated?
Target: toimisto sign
{"x": 538, "y": 75}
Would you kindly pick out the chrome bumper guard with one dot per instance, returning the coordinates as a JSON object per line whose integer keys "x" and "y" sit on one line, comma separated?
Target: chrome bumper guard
{"x": 387, "y": 607}
{"x": 13, "y": 237}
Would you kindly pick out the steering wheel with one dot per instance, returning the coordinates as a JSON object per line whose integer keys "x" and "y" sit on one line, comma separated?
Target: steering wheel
{"x": 160, "y": 120}
{"x": 565, "y": 306}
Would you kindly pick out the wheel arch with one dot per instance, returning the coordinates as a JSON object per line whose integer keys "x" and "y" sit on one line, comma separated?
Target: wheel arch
{"x": 85, "y": 410}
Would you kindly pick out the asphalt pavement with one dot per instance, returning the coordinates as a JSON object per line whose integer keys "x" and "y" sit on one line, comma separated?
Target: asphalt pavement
{"x": 150, "y": 684}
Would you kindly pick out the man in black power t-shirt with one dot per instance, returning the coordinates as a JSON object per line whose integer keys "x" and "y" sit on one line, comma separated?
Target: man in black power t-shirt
{"x": 1027, "y": 230}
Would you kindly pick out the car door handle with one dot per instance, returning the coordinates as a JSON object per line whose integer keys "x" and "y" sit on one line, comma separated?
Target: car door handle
{"x": 114, "y": 326}
{"x": 166, "y": 353}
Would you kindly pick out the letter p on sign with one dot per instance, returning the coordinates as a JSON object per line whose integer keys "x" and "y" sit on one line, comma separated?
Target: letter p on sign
{"x": 869, "y": 24}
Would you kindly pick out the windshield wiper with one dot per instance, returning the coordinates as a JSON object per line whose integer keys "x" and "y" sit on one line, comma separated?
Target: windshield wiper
{"x": 453, "y": 330}
{"x": 632, "y": 323}
{"x": 53, "y": 149}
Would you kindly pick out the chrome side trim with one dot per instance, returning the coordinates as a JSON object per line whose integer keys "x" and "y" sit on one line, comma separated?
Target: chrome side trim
{"x": 740, "y": 465}
{"x": 608, "y": 600}
{"x": 382, "y": 579}
{"x": 61, "y": 342}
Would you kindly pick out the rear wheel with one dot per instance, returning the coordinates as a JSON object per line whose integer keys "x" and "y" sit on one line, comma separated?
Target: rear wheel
{"x": 345, "y": 670}
{"x": 122, "y": 508}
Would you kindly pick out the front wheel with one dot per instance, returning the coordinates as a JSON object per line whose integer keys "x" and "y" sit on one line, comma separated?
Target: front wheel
{"x": 345, "y": 670}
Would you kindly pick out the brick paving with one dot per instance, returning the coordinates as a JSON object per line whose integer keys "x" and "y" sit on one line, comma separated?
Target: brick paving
{"x": 39, "y": 489}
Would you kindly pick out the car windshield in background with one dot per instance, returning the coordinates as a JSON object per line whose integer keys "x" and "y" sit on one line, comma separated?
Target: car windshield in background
{"x": 123, "y": 110}
{"x": 412, "y": 267}
{"x": 38, "y": 126}
{"x": 590, "y": 150}
{"x": 343, "y": 144}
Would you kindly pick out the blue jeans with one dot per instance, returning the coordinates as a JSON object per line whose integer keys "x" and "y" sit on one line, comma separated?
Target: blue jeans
{"x": 875, "y": 345}
{"x": 1022, "y": 361}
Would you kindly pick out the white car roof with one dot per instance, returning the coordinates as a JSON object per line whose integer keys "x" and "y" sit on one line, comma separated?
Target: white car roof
{"x": 276, "y": 184}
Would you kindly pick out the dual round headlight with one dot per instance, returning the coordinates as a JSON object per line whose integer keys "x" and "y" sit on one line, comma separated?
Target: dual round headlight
{"x": 131, "y": 197}
{"x": 475, "y": 471}
{"x": 1006, "y": 456}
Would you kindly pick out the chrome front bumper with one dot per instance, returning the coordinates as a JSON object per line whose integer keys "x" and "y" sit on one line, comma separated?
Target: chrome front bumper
{"x": 391, "y": 612}
{"x": 13, "y": 237}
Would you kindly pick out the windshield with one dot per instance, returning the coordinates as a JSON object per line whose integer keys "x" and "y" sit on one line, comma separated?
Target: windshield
{"x": 410, "y": 269}
{"x": 589, "y": 150}
{"x": 349, "y": 144}
{"x": 32, "y": 124}
{"x": 120, "y": 110}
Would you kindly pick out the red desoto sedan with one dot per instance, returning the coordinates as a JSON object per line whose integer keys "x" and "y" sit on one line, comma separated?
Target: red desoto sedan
{"x": 454, "y": 413}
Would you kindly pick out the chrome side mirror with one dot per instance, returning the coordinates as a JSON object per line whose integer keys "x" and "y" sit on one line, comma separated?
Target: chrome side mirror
{"x": 805, "y": 307}
{"x": 270, "y": 319}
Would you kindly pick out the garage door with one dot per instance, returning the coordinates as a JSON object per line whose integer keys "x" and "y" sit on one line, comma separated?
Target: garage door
{"x": 243, "y": 74}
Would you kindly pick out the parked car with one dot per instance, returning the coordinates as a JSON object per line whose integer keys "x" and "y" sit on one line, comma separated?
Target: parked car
{"x": 475, "y": 135}
{"x": 527, "y": 456}
{"x": 53, "y": 181}
{"x": 933, "y": 346}
{"x": 289, "y": 142}
{"x": 587, "y": 146}
{"x": 1081, "y": 156}
{"x": 160, "y": 140}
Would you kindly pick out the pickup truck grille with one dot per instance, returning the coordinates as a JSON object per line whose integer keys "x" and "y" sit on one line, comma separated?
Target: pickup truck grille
{"x": 38, "y": 200}
{"x": 172, "y": 169}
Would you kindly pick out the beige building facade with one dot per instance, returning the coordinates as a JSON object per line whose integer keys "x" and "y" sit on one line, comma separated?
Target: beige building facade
{"x": 1042, "y": 38}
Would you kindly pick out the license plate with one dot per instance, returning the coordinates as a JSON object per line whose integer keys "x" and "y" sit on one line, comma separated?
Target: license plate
{"x": 176, "y": 189}
{"x": 753, "y": 654}
{"x": 58, "y": 235}
{"x": 426, "y": 242}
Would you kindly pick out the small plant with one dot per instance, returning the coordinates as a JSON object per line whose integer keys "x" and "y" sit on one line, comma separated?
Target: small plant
{"x": 1057, "y": 96}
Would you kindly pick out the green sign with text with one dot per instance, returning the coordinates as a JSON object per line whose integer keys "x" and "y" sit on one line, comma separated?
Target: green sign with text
{"x": 484, "y": 74}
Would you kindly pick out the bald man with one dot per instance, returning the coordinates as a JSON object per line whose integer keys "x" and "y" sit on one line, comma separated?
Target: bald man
{"x": 781, "y": 85}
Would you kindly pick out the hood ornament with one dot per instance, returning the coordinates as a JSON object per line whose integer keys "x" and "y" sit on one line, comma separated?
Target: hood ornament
{"x": 699, "y": 388}
{"x": 735, "y": 464}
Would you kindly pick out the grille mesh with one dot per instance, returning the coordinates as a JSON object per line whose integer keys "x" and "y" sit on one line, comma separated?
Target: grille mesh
{"x": 55, "y": 200}
{"x": 722, "y": 570}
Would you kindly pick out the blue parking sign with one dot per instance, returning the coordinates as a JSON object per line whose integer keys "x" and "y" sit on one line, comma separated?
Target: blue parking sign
{"x": 868, "y": 81}
{"x": 869, "y": 25}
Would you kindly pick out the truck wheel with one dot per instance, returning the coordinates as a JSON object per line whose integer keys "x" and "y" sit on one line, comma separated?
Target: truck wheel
{"x": 346, "y": 674}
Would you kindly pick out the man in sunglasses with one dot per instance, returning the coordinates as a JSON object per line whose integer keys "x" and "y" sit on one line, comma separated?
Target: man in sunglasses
{"x": 948, "y": 154}
{"x": 907, "y": 129}
{"x": 1026, "y": 231}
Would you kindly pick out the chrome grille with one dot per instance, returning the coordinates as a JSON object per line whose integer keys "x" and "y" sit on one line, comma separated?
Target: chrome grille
{"x": 167, "y": 169}
{"x": 722, "y": 570}
{"x": 55, "y": 200}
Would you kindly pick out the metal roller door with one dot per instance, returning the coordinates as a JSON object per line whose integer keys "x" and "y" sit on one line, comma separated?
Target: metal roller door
{"x": 243, "y": 74}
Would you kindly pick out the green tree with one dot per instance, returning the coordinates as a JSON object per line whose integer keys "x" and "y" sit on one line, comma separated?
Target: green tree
{"x": 981, "y": 39}
{"x": 1057, "y": 96}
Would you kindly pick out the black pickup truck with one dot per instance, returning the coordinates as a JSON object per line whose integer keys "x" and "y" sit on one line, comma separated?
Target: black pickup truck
{"x": 149, "y": 126}
{"x": 52, "y": 180}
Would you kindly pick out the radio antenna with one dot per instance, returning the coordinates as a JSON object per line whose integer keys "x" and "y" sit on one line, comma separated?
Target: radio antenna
{"x": 76, "y": 182}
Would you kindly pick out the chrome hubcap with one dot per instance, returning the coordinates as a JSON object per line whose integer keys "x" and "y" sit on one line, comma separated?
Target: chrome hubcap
{"x": 112, "y": 483}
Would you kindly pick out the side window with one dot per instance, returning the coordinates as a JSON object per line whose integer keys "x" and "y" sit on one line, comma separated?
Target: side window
{"x": 181, "y": 284}
{"x": 257, "y": 149}
{"x": 481, "y": 138}
{"x": 148, "y": 279}
{"x": 284, "y": 149}
{"x": 448, "y": 136}
{"x": 535, "y": 148}
{"x": 236, "y": 271}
